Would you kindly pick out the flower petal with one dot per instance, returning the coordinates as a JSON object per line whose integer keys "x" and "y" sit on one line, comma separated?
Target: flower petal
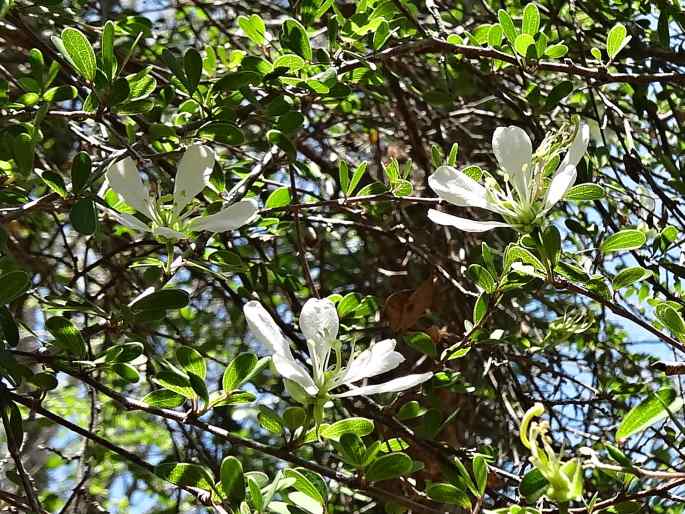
{"x": 230, "y": 218}
{"x": 458, "y": 189}
{"x": 514, "y": 151}
{"x": 168, "y": 233}
{"x": 578, "y": 147}
{"x": 266, "y": 331}
{"x": 319, "y": 320}
{"x": 289, "y": 368}
{"x": 129, "y": 221}
{"x": 561, "y": 183}
{"x": 378, "y": 358}
{"x": 125, "y": 180}
{"x": 393, "y": 386}
{"x": 193, "y": 174}
{"x": 467, "y": 225}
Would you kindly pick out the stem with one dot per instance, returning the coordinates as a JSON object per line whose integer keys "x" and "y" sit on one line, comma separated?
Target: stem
{"x": 170, "y": 258}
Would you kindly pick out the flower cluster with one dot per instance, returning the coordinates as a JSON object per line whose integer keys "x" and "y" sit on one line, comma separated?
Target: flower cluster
{"x": 565, "y": 478}
{"x": 319, "y": 324}
{"x": 173, "y": 221}
{"x": 526, "y": 197}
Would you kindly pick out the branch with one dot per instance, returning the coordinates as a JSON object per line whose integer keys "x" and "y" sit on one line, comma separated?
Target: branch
{"x": 568, "y": 67}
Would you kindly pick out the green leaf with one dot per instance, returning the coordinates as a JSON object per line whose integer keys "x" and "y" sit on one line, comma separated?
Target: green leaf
{"x": 175, "y": 382}
{"x": 109, "y": 62}
{"x": 163, "y": 399}
{"x": 278, "y": 198}
{"x": 291, "y": 62}
{"x": 507, "y": 25}
{"x": 586, "y": 192}
{"x": 141, "y": 84}
{"x": 558, "y": 93}
{"x": 270, "y": 420}
{"x": 295, "y": 38}
{"x": 60, "y": 94}
{"x": 14, "y": 428}
{"x": 232, "y": 479}
{"x": 303, "y": 483}
{"x": 480, "y": 472}
{"x": 523, "y": 41}
{"x": 278, "y": 138}
{"x": 616, "y": 40}
{"x": 533, "y": 485}
{"x": 222, "y": 132}
{"x": 67, "y": 336}
{"x": 629, "y": 276}
{"x": 80, "y": 172}
{"x": 531, "y": 19}
{"x": 356, "y": 177}
{"x": 119, "y": 92}
{"x": 670, "y": 318}
{"x": 343, "y": 175}
{"x": 628, "y": 239}
{"x": 516, "y": 253}
{"x": 495, "y": 35}
{"x": 254, "y": 28}
{"x": 22, "y": 149}
{"x": 294, "y": 418}
{"x": 238, "y": 371}
{"x": 389, "y": 466}
{"x": 192, "y": 65}
{"x": 358, "y": 426}
{"x": 410, "y": 410}
{"x": 126, "y": 371}
{"x": 13, "y": 285}
{"x": 421, "y": 342}
{"x": 191, "y": 475}
{"x": 352, "y": 449}
{"x": 83, "y": 216}
{"x": 381, "y": 35}
{"x": 9, "y": 331}
{"x": 256, "y": 496}
{"x": 556, "y": 51}
{"x": 450, "y": 494}
{"x": 191, "y": 361}
{"x": 482, "y": 278}
{"x": 54, "y": 182}
{"x": 645, "y": 414}
{"x": 80, "y": 52}
{"x": 164, "y": 299}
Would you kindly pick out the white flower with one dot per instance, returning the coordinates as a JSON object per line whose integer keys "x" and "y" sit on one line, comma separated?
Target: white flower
{"x": 319, "y": 323}
{"x": 170, "y": 221}
{"x": 526, "y": 199}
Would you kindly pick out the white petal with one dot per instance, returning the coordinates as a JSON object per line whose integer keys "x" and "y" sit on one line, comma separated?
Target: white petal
{"x": 230, "y": 218}
{"x": 457, "y": 188}
{"x": 514, "y": 151}
{"x": 289, "y": 368}
{"x": 125, "y": 180}
{"x": 168, "y": 233}
{"x": 467, "y": 225}
{"x": 561, "y": 183}
{"x": 393, "y": 386}
{"x": 319, "y": 320}
{"x": 266, "y": 331}
{"x": 193, "y": 174}
{"x": 578, "y": 147}
{"x": 129, "y": 221}
{"x": 378, "y": 358}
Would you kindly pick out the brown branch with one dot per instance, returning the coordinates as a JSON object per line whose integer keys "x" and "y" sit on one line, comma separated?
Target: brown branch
{"x": 568, "y": 67}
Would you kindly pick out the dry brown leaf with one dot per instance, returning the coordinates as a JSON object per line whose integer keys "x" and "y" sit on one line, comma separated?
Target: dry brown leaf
{"x": 403, "y": 309}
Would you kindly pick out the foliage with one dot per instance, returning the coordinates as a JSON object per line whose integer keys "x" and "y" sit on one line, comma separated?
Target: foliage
{"x": 220, "y": 235}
